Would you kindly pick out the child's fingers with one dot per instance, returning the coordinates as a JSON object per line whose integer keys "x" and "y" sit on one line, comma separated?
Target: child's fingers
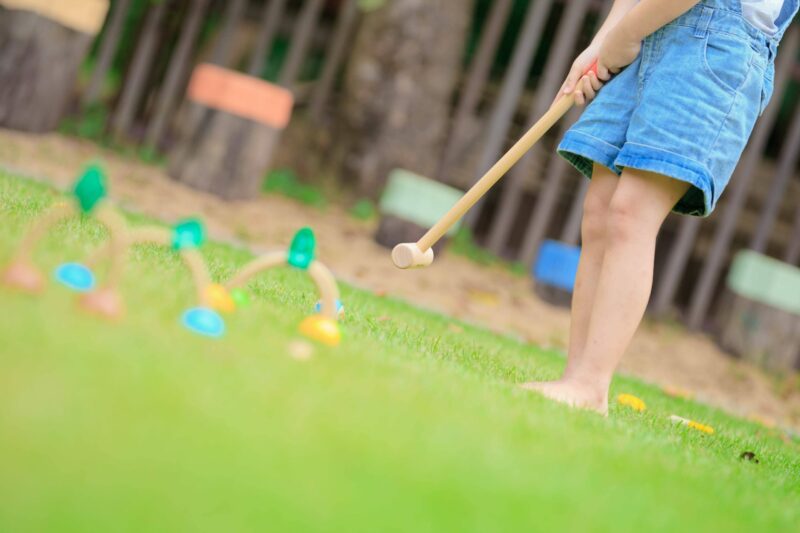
{"x": 572, "y": 78}
{"x": 565, "y": 89}
{"x": 586, "y": 86}
{"x": 569, "y": 84}
{"x": 602, "y": 72}
{"x": 580, "y": 99}
{"x": 595, "y": 82}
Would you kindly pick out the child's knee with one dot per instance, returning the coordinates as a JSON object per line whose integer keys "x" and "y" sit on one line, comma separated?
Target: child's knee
{"x": 631, "y": 216}
{"x": 595, "y": 217}
{"x": 624, "y": 220}
{"x": 596, "y": 204}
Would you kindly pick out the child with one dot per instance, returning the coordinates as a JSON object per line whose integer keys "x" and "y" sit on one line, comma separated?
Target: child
{"x": 690, "y": 79}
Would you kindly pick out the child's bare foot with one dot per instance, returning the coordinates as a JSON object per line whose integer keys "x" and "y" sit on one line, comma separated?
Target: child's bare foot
{"x": 572, "y": 393}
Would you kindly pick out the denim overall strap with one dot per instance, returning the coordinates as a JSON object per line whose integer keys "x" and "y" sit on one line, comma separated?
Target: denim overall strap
{"x": 703, "y": 21}
{"x": 705, "y": 9}
{"x": 783, "y": 22}
{"x": 788, "y": 11}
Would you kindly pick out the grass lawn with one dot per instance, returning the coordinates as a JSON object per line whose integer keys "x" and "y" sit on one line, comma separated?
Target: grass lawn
{"x": 413, "y": 423}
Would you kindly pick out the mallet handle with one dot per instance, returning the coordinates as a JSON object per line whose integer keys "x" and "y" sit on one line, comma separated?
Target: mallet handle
{"x": 498, "y": 170}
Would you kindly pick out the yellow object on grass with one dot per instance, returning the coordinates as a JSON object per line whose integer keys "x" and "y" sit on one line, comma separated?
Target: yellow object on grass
{"x": 700, "y": 427}
{"x": 692, "y": 424}
{"x": 631, "y": 401}
{"x": 218, "y": 298}
{"x": 321, "y": 329}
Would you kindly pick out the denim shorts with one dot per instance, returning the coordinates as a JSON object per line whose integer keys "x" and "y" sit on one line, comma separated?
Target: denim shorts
{"x": 685, "y": 108}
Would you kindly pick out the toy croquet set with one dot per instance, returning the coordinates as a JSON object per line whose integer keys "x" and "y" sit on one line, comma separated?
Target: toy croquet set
{"x": 185, "y": 238}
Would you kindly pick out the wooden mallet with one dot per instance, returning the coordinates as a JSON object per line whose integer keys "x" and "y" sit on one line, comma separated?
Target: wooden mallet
{"x": 420, "y": 254}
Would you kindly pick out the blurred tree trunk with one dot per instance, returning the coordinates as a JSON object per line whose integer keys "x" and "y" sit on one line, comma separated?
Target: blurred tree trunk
{"x": 39, "y": 61}
{"x": 401, "y": 76}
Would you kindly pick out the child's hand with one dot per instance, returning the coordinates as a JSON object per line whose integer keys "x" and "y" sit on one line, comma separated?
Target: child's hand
{"x": 618, "y": 50}
{"x": 584, "y": 87}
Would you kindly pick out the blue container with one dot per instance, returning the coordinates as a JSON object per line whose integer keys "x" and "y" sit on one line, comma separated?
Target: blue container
{"x": 203, "y": 321}
{"x": 75, "y": 276}
{"x": 557, "y": 265}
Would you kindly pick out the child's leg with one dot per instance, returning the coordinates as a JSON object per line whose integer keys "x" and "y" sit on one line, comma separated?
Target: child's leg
{"x": 638, "y": 207}
{"x": 593, "y": 236}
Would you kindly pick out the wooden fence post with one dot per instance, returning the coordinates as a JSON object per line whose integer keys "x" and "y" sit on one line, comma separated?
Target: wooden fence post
{"x": 234, "y": 11}
{"x": 301, "y": 38}
{"x": 176, "y": 74}
{"x": 134, "y": 85}
{"x": 341, "y": 37}
{"x": 511, "y": 193}
{"x": 108, "y": 49}
{"x": 792, "y": 254}
{"x": 513, "y": 85}
{"x": 270, "y": 19}
{"x": 474, "y": 83}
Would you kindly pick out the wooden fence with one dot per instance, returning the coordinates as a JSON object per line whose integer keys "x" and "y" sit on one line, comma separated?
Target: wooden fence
{"x": 542, "y": 196}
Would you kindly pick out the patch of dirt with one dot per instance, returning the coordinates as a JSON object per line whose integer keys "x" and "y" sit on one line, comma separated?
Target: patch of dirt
{"x": 663, "y": 354}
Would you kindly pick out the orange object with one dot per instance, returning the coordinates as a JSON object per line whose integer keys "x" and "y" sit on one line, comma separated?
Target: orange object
{"x": 105, "y": 302}
{"x": 24, "y": 277}
{"x": 218, "y": 298}
{"x": 321, "y": 329}
{"x": 242, "y": 95}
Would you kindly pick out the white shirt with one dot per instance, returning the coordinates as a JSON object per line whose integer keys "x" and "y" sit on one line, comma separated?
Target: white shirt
{"x": 762, "y": 14}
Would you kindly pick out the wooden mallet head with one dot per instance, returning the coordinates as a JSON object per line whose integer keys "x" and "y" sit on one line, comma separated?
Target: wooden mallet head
{"x": 409, "y": 255}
